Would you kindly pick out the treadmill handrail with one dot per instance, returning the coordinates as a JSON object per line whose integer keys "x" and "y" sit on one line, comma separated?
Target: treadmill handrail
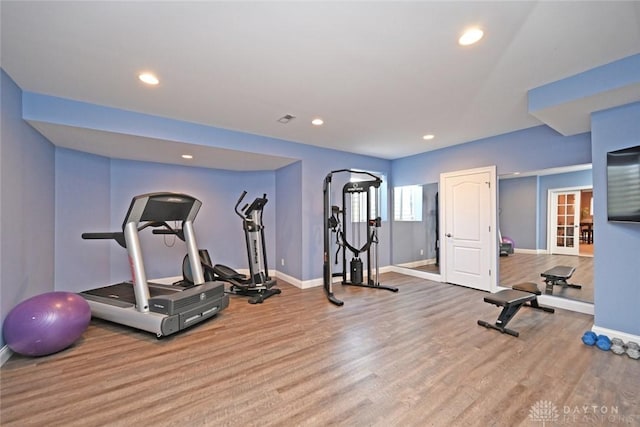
{"x": 118, "y": 236}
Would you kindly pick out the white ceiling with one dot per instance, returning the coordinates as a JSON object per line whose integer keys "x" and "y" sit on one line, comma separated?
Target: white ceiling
{"x": 381, "y": 74}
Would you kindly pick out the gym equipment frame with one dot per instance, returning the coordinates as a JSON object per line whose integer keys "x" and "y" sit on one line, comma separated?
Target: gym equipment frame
{"x": 332, "y": 223}
{"x": 511, "y": 300}
{"x": 153, "y": 307}
{"x": 258, "y": 286}
{"x": 558, "y": 276}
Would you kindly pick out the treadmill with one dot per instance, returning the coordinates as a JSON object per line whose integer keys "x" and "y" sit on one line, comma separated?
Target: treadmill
{"x": 153, "y": 307}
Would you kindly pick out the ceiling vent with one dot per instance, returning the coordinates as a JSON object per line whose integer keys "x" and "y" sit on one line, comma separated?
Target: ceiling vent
{"x": 286, "y": 119}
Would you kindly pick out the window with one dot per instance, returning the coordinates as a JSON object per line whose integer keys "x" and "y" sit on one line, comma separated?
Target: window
{"x": 359, "y": 206}
{"x": 407, "y": 203}
{"x": 359, "y": 200}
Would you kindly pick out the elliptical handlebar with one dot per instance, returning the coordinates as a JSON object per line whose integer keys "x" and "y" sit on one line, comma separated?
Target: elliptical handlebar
{"x": 244, "y": 193}
{"x": 247, "y": 211}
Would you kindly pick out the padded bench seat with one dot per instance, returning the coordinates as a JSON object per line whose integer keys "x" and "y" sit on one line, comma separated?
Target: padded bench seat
{"x": 533, "y": 289}
{"x": 530, "y": 287}
{"x": 558, "y": 275}
{"x": 509, "y": 297}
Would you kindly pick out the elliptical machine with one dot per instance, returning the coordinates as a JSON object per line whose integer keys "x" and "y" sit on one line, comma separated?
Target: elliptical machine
{"x": 258, "y": 285}
{"x": 334, "y": 217}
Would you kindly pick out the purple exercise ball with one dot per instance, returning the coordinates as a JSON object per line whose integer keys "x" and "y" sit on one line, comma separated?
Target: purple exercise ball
{"x": 506, "y": 239}
{"x": 46, "y": 323}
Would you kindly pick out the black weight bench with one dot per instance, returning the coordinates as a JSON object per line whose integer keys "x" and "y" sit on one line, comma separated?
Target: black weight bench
{"x": 558, "y": 276}
{"x": 511, "y": 300}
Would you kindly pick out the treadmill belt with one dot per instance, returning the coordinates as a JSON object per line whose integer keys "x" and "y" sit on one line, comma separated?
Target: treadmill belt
{"x": 124, "y": 292}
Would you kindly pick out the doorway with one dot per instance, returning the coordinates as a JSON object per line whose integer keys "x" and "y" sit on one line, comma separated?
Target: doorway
{"x": 586, "y": 223}
{"x": 564, "y": 220}
{"x": 570, "y": 221}
{"x": 468, "y": 232}
{"x": 524, "y": 217}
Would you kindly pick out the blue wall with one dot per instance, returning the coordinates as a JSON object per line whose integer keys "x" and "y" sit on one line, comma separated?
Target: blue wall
{"x": 316, "y": 163}
{"x": 80, "y": 190}
{"x": 289, "y": 220}
{"x": 557, "y": 181}
{"x": 527, "y": 150}
{"x": 617, "y": 253}
{"x": 82, "y": 204}
{"x": 522, "y": 151}
{"x": 217, "y": 227}
{"x": 27, "y": 200}
{"x": 411, "y": 237}
{"x": 591, "y": 83}
{"x": 523, "y": 205}
{"x": 94, "y": 193}
{"x": 518, "y": 211}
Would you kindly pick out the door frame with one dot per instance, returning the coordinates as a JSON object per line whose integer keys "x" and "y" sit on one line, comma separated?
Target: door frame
{"x": 550, "y": 196}
{"x": 493, "y": 223}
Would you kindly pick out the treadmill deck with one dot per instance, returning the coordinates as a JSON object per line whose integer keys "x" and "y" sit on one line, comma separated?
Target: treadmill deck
{"x": 123, "y": 292}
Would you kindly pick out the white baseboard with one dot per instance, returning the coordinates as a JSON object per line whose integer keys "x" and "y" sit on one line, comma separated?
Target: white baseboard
{"x": 566, "y": 304}
{"x": 289, "y": 279}
{"x": 416, "y": 273}
{"x": 292, "y": 280}
{"x": 612, "y": 333}
{"x": 313, "y": 283}
{"x": 302, "y": 284}
{"x": 420, "y": 263}
{"x": 5, "y": 354}
{"x": 530, "y": 251}
{"x": 173, "y": 279}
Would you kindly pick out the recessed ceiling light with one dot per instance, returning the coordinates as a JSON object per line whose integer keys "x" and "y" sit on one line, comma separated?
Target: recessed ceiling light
{"x": 187, "y": 156}
{"x": 149, "y": 78}
{"x": 317, "y": 122}
{"x": 428, "y": 136}
{"x": 470, "y": 36}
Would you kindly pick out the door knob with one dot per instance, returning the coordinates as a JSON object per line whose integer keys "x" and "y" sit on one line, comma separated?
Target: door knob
{"x": 449, "y": 235}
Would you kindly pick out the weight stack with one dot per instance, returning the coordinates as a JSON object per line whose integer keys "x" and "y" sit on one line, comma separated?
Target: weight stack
{"x": 356, "y": 271}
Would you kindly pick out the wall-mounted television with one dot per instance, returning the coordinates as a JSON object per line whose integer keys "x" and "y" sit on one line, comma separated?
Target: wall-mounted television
{"x": 623, "y": 185}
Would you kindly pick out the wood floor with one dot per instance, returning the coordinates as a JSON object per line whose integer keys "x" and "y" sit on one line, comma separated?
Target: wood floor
{"x": 412, "y": 358}
{"x": 521, "y": 267}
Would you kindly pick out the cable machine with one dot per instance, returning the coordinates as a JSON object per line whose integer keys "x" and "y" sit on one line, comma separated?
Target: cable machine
{"x": 335, "y": 221}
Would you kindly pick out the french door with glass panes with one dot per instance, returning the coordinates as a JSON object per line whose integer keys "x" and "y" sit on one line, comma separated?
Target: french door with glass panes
{"x": 564, "y": 222}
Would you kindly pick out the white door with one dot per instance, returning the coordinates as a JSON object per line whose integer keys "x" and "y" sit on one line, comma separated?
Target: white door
{"x": 468, "y": 235}
{"x": 564, "y": 222}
